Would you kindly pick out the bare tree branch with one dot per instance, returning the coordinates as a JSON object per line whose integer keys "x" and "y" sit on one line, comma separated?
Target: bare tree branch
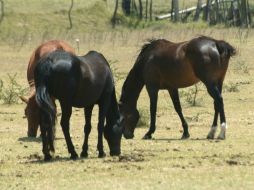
{"x": 69, "y": 15}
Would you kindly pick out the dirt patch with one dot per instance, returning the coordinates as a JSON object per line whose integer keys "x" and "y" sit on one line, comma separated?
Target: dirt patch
{"x": 126, "y": 158}
{"x": 132, "y": 158}
{"x": 35, "y": 156}
{"x": 232, "y": 162}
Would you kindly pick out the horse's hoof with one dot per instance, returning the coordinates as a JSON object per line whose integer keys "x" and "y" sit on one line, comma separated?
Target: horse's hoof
{"x": 221, "y": 137}
{"x": 147, "y": 137}
{"x": 101, "y": 155}
{"x": 209, "y": 137}
{"x": 47, "y": 157}
{"x": 74, "y": 156}
{"x": 185, "y": 136}
{"x": 84, "y": 154}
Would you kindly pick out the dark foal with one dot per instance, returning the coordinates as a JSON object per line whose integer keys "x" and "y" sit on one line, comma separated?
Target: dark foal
{"x": 166, "y": 65}
{"x": 77, "y": 81}
{"x": 32, "y": 109}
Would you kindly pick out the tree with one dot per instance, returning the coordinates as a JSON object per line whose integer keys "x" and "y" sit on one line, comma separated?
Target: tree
{"x": 198, "y": 10}
{"x": 207, "y": 11}
{"x": 114, "y": 15}
{"x": 140, "y": 10}
{"x": 151, "y": 9}
{"x": 69, "y": 15}
{"x": 126, "y": 6}
{"x": 2, "y": 11}
{"x": 175, "y": 10}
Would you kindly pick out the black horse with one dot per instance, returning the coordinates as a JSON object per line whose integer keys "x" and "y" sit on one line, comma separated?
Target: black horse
{"x": 78, "y": 81}
{"x": 166, "y": 65}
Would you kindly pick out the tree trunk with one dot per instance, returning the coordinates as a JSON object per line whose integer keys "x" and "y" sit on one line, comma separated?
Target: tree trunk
{"x": 198, "y": 10}
{"x": 2, "y": 11}
{"x": 244, "y": 13}
{"x": 151, "y": 10}
{"x": 146, "y": 10}
{"x": 140, "y": 10}
{"x": 126, "y": 5}
{"x": 207, "y": 11}
{"x": 114, "y": 15}
{"x": 175, "y": 10}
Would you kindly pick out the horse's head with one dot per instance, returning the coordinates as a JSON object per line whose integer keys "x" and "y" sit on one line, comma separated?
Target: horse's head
{"x": 113, "y": 135}
{"x": 32, "y": 115}
{"x": 131, "y": 117}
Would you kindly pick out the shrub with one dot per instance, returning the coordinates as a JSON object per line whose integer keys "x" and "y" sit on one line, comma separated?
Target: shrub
{"x": 10, "y": 94}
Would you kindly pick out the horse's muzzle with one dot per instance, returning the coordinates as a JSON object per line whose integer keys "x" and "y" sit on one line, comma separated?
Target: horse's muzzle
{"x": 128, "y": 135}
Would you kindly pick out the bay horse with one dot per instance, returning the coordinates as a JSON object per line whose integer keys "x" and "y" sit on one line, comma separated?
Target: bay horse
{"x": 32, "y": 110}
{"x": 77, "y": 81}
{"x": 162, "y": 64}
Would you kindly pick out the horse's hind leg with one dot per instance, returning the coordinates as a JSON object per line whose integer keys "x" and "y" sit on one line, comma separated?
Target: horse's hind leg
{"x": 102, "y": 115}
{"x": 44, "y": 136}
{"x": 177, "y": 105}
{"x": 212, "y": 132}
{"x": 87, "y": 130}
{"x": 45, "y": 143}
{"x": 215, "y": 92}
{"x": 153, "y": 95}
{"x": 65, "y": 124}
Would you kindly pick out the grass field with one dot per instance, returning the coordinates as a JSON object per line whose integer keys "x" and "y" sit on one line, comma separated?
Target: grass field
{"x": 162, "y": 163}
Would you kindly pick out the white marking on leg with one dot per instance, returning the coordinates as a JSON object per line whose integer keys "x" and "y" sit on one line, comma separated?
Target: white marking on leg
{"x": 222, "y": 134}
{"x": 212, "y": 132}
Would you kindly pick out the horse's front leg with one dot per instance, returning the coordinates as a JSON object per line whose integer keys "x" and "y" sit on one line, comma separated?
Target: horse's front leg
{"x": 65, "y": 124}
{"x": 215, "y": 93}
{"x": 177, "y": 105}
{"x": 153, "y": 95}
{"x": 87, "y": 130}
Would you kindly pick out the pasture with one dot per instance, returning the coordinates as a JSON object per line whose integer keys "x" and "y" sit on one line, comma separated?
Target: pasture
{"x": 165, "y": 162}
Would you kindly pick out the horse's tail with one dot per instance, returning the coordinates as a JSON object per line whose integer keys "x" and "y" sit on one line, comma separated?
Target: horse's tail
{"x": 225, "y": 49}
{"x": 43, "y": 99}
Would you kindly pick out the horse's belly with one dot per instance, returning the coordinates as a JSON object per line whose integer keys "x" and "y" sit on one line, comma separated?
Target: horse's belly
{"x": 177, "y": 80}
{"x": 85, "y": 99}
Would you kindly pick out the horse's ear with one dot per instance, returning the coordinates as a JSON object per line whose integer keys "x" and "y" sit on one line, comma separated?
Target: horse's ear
{"x": 24, "y": 99}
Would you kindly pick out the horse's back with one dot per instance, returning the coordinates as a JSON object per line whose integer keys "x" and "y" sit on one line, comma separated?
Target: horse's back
{"x": 44, "y": 49}
{"x": 165, "y": 63}
{"x": 95, "y": 78}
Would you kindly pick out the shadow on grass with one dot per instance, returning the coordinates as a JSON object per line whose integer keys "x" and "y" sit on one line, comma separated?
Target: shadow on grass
{"x": 33, "y": 139}
{"x": 30, "y": 139}
{"x": 178, "y": 139}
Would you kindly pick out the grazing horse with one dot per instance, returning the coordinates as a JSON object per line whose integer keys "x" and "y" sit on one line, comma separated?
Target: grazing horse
{"x": 32, "y": 110}
{"x": 77, "y": 81}
{"x": 162, "y": 64}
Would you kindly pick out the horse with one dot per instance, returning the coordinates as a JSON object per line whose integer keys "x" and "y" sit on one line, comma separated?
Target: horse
{"x": 77, "y": 81}
{"x": 162, "y": 64}
{"x": 32, "y": 110}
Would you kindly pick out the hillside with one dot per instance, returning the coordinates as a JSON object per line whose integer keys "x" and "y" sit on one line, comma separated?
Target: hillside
{"x": 29, "y": 19}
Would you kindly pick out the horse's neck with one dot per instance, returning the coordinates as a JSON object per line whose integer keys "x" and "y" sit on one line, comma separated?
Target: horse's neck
{"x": 131, "y": 89}
{"x": 32, "y": 87}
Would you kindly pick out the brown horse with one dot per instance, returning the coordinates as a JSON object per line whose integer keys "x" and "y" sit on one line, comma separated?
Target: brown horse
{"x": 32, "y": 110}
{"x": 166, "y": 65}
